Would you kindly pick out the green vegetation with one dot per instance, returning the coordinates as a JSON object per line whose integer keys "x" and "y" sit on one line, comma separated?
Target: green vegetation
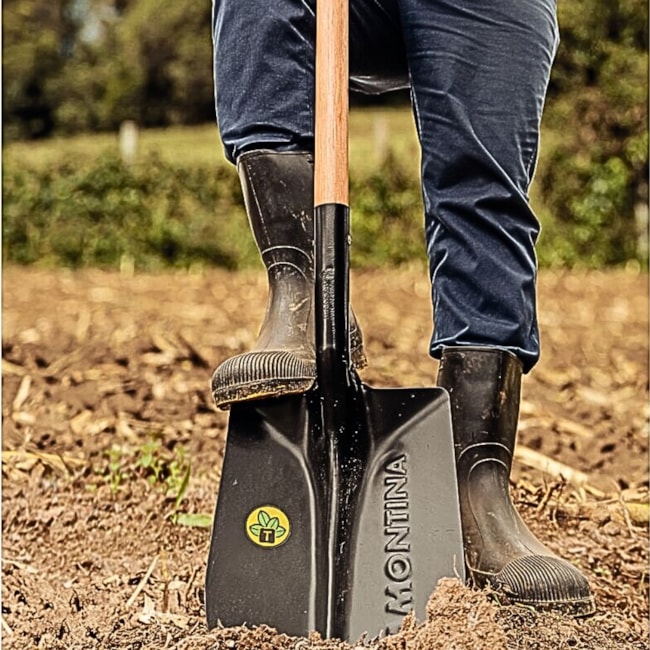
{"x": 156, "y": 213}
{"x": 593, "y": 183}
{"x": 159, "y": 214}
{"x": 87, "y": 65}
{"x": 91, "y": 64}
{"x": 162, "y": 469}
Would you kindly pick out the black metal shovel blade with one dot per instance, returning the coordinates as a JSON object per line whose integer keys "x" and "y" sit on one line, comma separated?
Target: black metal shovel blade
{"x": 341, "y": 534}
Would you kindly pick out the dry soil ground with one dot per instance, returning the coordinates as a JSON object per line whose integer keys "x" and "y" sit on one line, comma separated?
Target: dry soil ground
{"x": 106, "y": 403}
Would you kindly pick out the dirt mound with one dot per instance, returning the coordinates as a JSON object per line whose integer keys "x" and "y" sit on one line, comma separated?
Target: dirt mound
{"x": 112, "y": 452}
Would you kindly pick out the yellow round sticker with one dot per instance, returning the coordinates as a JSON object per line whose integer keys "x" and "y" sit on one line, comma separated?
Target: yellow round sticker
{"x": 268, "y": 526}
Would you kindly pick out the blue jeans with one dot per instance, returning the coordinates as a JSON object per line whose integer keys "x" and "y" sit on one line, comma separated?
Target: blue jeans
{"x": 478, "y": 72}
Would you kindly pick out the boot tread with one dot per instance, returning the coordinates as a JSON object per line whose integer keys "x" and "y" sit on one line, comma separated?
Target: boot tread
{"x": 542, "y": 582}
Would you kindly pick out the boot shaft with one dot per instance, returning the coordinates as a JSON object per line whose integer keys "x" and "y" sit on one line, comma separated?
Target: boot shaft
{"x": 484, "y": 386}
{"x": 278, "y": 191}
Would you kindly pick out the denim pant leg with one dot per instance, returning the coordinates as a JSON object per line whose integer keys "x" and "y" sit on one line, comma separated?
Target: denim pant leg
{"x": 263, "y": 74}
{"x": 479, "y": 72}
{"x": 264, "y": 67}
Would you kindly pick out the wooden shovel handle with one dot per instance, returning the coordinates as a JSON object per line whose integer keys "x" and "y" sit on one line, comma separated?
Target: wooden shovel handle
{"x": 331, "y": 113}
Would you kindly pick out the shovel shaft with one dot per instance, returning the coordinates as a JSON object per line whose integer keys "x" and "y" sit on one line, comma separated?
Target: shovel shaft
{"x": 331, "y": 270}
{"x": 331, "y": 212}
{"x": 331, "y": 133}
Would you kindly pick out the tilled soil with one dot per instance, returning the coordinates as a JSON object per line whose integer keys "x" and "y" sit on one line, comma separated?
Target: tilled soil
{"x": 112, "y": 453}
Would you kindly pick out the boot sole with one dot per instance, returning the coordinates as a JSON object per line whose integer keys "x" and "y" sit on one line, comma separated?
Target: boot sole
{"x": 233, "y": 394}
{"x": 560, "y": 586}
{"x": 257, "y": 375}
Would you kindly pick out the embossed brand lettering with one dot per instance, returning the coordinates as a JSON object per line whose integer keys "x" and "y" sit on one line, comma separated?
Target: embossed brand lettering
{"x": 397, "y": 544}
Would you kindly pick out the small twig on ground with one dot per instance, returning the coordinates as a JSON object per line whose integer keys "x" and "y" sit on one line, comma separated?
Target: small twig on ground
{"x": 626, "y": 516}
{"x": 143, "y": 582}
{"x": 543, "y": 463}
{"x": 25, "y": 460}
{"x": 555, "y": 487}
{"x": 5, "y": 627}
{"x": 190, "y": 582}
{"x": 22, "y": 394}
{"x": 165, "y": 578}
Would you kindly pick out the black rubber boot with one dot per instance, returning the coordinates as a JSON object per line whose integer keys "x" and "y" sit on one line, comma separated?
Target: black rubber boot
{"x": 484, "y": 385}
{"x": 278, "y": 193}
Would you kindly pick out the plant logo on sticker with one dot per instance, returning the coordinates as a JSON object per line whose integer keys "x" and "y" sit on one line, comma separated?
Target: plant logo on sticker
{"x": 268, "y": 527}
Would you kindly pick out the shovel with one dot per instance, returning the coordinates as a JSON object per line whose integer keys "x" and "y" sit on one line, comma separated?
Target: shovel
{"x": 338, "y": 508}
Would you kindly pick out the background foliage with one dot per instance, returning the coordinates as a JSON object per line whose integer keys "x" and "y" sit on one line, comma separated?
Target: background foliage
{"x": 594, "y": 181}
{"x": 159, "y": 213}
{"x": 80, "y": 66}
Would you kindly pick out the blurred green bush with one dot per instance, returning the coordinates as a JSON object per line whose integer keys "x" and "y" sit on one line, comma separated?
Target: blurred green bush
{"x": 161, "y": 214}
{"x": 155, "y": 213}
{"x": 593, "y": 182}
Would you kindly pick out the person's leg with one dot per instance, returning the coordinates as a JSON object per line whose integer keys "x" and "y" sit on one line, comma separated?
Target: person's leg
{"x": 264, "y": 67}
{"x": 479, "y": 71}
{"x": 263, "y": 73}
{"x": 264, "y": 81}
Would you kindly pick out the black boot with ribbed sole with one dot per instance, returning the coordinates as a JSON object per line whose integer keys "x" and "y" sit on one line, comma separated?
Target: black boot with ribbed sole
{"x": 278, "y": 193}
{"x": 484, "y": 385}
